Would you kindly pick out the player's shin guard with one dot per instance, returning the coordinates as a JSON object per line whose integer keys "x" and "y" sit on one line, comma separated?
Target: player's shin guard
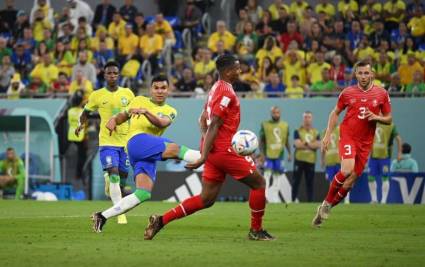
{"x": 335, "y": 185}
{"x": 114, "y": 188}
{"x": 187, "y": 207}
{"x": 257, "y": 203}
{"x": 372, "y": 189}
{"x": 340, "y": 195}
{"x": 127, "y": 203}
{"x": 385, "y": 189}
{"x": 188, "y": 154}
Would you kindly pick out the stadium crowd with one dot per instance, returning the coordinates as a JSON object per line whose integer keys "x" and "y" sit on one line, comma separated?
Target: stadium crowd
{"x": 289, "y": 48}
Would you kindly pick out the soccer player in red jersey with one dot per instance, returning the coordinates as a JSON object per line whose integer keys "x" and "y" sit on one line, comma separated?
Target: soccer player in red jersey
{"x": 366, "y": 104}
{"x": 219, "y": 121}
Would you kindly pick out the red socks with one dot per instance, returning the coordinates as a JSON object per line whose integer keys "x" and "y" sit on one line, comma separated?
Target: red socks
{"x": 186, "y": 208}
{"x": 340, "y": 195}
{"x": 336, "y": 184}
{"x": 257, "y": 203}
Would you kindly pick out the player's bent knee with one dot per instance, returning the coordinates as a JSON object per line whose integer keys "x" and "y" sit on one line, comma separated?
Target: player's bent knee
{"x": 208, "y": 201}
{"x": 171, "y": 151}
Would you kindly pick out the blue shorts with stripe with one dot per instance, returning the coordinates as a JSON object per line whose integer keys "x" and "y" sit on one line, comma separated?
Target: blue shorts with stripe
{"x": 114, "y": 157}
{"x": 144, "y": 150}
{"x": 379, "y": 167}
{"x": 275, "y": 165}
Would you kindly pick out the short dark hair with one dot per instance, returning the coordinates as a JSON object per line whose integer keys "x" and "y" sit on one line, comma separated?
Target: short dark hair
{"x": 10, "y": 149}
{"x": 225, "y": 61}
{"x": 362, "y": 63}
{"x": 406, "y": 148}
{"x": 111, "y": 64}
{"x": 160, "y": 78}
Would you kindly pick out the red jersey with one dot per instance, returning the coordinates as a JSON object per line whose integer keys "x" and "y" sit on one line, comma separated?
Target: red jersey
{"x": 224, "y": 103}
{"x": 357, "y": 101}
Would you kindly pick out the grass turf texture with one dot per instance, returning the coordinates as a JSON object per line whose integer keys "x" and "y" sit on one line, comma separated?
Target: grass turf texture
{"x": 59, "y": 234}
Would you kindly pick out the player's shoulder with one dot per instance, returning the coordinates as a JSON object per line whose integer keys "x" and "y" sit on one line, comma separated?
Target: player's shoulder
{"x": 141, "y": 99}
{"x": 380, "y": 90}
{"x": 170, "y": 108}
{"x": 126, "y": 90}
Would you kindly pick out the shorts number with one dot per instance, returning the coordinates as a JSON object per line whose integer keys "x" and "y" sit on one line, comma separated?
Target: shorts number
{"x": 347, "y": 150}
{"x": 362, "y": 113}
{"x": 208, "y": 115}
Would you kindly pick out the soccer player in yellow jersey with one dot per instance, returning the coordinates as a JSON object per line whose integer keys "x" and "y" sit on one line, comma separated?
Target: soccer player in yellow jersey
{"x": 109, "y": 101}
{"x": 149, "y": 118}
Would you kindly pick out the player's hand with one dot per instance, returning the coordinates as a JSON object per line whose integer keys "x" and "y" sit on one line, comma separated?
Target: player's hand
{"x": 196, "y": 164}
{"x": 111, "y": 125}
{"x": 371, "y": 116}
{"x": 325, "y": 143}
{"x": 137, "y": 112}
{"x": 78, "y": 129}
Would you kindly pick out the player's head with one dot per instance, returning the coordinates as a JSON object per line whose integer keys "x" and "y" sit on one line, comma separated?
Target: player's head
{"x": 307, "y": 118}
{"x": 364, "y": 73}
{"x": 111, "y": 73}
{"x": 275, "y": 112}
{"x": 159, "y": 88}
{"x": 10, "y": 153}
{"x": 406, "y": 148}
{"x": 228, "y": 67}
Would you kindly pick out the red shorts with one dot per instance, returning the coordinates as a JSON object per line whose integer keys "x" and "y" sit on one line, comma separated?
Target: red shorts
{"x": 351, "y": 149}
{"x": 220, "y": 163}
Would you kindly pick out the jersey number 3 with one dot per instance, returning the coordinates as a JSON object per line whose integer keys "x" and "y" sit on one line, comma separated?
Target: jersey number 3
{"x": 362, "y": 113}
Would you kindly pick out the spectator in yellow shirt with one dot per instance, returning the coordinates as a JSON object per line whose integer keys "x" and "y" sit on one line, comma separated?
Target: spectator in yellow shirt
{"x": 346, "y": 7}
{"x": 293, "y": 66}
{"x": 221, "y": 34}
{"x": 270, "y": 49}
{"x": 294, "y": 90}
{"x": 407, "y": 71}
{"x": 416, "y": 24}
{"x": 151, "y": 45}
{"x": 371, "y": 10}
{"x": 314, "y": 70}
{"x": 163, "y": 28}
{"x": 40, "y": 24}
{"x": 81, "y": 83}
{"x": 205, "y": 66}
{"x": 117, "y": 26}
{"x": 325, "y": 7}
{"x": 101, "y": 36}
{"x": 47, "y": 71}
{"x": 297, "y": 9}
{"x": 274, "y": 8}
{"x": 393, "y": 13}
{"x": 127, "y": 44}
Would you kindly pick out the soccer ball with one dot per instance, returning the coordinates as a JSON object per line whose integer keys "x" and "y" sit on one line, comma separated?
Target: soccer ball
{"x": 244, "y": 142}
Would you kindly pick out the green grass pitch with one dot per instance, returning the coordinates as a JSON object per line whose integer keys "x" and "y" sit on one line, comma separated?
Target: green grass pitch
{"x": 59, "y": 234}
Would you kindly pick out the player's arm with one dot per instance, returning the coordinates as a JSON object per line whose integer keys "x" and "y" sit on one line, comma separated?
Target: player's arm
{"x": 160, "y": 122}
{"x": 399, "y": 146}
{"x": 298, "y": 143}
{"x": 210, "y": 136}
{"x": 384, "y": 119}
{"x": 262, "y": 144}
{"x": 332, "y": 122}
{"x": 314, "y": 144}
{"x": 82, "y": 121}
{"x": 288, "y": 147}
{"x": 118, "y": 119}
{"x": 203, "y": 123}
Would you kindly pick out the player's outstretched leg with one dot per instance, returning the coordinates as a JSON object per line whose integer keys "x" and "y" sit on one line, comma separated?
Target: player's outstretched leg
{"x": 257, "y": 203}
{"x": 189, "y": 206}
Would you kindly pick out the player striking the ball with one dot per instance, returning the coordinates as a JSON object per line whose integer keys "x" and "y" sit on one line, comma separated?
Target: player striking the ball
{"x": 149, "y": 118}
{"x": 366, "y": 105}
{"x": 219, "y": 121}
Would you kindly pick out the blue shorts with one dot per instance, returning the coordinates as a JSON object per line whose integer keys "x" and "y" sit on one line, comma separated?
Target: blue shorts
{"x": 331, "y": 171}
{"x": 379, "y": 167}
{"x": 144, "y": 150}
{"x": 114, "y": 157}
{"x": 275, "y": 165}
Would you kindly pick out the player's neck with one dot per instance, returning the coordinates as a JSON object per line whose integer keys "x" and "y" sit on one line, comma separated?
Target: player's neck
{"x": 226, "y": 80}
{"x": 157, "y": 102}
{"x": 112, "y": 88}
{"x": 367, "y": 88}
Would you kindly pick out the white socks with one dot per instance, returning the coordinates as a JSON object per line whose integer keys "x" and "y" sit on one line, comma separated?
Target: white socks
{"x": 115, "y": 192}
{"x": 385, "y": 190}
{"x": 372, "y": 189}
{"x": 121, "y": 206}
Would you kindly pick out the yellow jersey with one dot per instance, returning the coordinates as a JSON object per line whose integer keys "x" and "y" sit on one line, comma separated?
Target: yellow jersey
{"x": 142, "y": 124}
{"x": 108, "y": 104}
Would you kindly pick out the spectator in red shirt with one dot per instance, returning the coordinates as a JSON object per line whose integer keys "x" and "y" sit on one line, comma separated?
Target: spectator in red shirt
{"x": 337, "y": 70}
{"x": 291, "y": 34}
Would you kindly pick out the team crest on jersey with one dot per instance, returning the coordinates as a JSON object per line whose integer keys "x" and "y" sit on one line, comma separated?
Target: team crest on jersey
{"x": 124, "y": 101}
{"x": 352, "y": 100}
{"x": 374, "y": 102}
{"x": 225, "y": 101}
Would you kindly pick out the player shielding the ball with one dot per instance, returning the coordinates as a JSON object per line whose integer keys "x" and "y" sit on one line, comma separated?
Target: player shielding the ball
{"x": 366, "y": 105}
{"x": 219, "y": 122}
